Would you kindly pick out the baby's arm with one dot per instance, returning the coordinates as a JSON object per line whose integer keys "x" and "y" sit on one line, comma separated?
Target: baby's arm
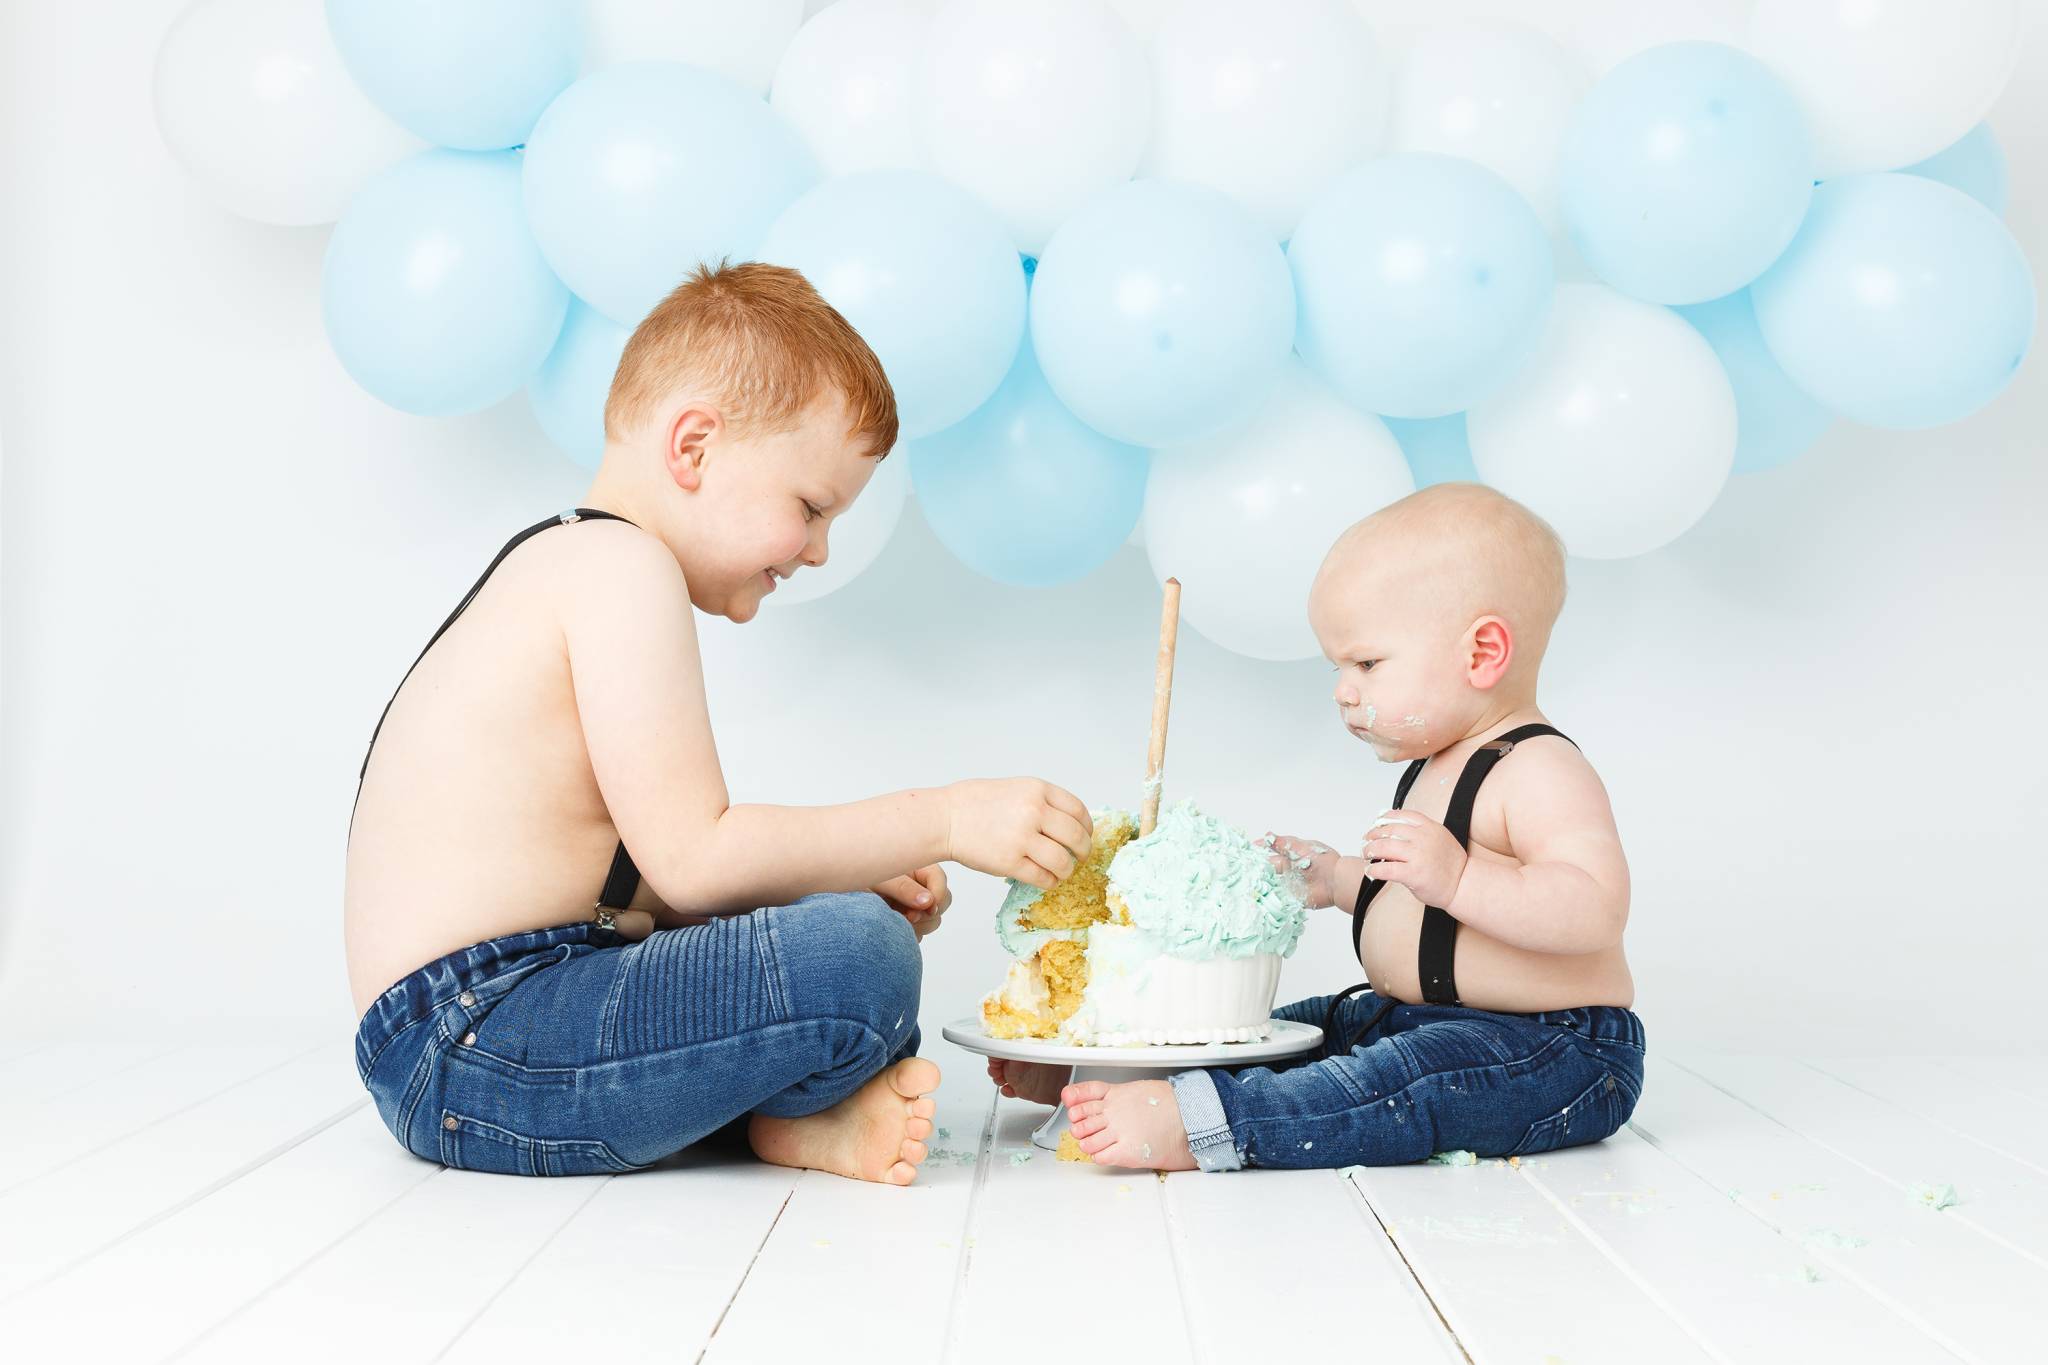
{"x": 1567, "y": 891}
{"x": 632, "y": 649}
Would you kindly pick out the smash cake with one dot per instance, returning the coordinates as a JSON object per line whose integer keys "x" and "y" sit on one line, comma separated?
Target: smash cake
{"x": 1173, "y": 937}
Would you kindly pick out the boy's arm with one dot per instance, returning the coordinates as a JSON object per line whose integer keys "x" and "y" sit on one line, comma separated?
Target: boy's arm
{"x": 1568, "y": 890}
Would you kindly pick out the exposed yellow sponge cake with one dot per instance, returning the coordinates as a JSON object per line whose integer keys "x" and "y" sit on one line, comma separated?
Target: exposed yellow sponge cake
{"x": 1077, "y": 902}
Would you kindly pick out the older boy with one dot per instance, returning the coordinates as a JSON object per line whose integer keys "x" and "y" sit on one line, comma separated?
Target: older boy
{"x": 558, "y": 720}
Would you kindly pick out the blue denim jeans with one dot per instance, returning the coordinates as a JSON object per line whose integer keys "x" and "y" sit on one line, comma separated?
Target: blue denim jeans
{"x": 570, "y": 1051}
{"x": 1424, "y": 1079}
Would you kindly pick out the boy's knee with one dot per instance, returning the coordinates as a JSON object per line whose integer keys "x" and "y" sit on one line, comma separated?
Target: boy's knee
{"x": 857, "y": 959}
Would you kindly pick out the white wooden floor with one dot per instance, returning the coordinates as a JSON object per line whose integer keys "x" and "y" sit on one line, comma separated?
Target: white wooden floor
{"x": 207, "y": 1202}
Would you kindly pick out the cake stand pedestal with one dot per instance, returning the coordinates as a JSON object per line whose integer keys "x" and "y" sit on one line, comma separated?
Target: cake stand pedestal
{"x": 1115, "y": 1064}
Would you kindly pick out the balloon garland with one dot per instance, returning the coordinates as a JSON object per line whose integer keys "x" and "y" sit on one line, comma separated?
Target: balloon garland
{"x": 1252, "y": 276}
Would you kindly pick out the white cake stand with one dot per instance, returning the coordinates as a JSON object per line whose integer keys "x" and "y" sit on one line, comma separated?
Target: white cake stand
{"x": 1116, "y": 1064}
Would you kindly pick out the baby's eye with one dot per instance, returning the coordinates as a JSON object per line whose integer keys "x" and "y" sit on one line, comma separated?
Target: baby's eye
{"x": 1365, "y": 666}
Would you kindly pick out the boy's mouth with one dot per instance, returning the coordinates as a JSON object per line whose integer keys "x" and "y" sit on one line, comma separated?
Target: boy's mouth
{"x": 768, "y": 579}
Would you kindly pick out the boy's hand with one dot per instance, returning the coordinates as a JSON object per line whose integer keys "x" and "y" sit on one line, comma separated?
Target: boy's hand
{"x": 1417, "y": 852}
{"x": 1017, "y": 827}
{"x": 1309, "y": 863}
{"x": 920, "y": 897}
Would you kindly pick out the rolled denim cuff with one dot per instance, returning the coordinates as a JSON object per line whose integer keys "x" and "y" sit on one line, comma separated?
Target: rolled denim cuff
{"x": 1201, "y": 1113}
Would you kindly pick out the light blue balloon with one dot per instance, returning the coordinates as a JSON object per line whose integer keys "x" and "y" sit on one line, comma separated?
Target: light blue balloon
{"x": 1975, "y": 164}
{"x": 1436, "y": 448}
{"x": 1024, "y": 491}
{"x": 925, "y": 272}
{"x": 1424, "y": 282}
{"x": 434, "y": 293}
{"x": 1685, "y": 173}
{"x": 464, "y": 73}
{"x": 569, "y": 393}
{"x": 640, "y": 173}
{"x": 1162, "y": 311}
{"x": 1775, "y": 419}
{"x": 1902, "y": 303}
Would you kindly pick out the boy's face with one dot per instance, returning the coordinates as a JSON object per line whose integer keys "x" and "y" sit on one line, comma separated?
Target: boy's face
{"x": 1401, "y": 685}
{"x": 765, "y": 506}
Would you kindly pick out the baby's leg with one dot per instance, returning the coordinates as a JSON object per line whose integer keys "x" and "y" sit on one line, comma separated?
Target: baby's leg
{"x": 1450, "y": 1078}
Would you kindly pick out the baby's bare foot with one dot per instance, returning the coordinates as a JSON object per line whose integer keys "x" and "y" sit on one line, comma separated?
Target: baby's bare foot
{"x": 1038, "y": 1082}
{"x": 1134, "y": 1124}
{"x": 877, "y": 1133}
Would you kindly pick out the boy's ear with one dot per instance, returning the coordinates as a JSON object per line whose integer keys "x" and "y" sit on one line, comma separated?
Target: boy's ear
{"x": 1490, "y": 649}
{"x": 690, "y": 433}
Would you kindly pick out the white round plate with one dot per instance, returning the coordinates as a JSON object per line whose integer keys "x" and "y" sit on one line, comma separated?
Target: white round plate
{"x": 1287, "y": 1039}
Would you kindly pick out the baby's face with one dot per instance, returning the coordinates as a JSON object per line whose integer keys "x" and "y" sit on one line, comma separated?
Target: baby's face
{"x": 1400, "y": 681}
{"x": 767, "y": 505}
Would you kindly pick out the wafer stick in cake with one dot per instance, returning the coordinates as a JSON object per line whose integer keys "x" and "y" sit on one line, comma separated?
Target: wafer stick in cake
{"x": 1162, "y": 697}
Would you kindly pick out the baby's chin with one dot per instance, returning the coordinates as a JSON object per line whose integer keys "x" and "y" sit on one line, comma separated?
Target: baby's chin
{"x": 1385, "y": 749}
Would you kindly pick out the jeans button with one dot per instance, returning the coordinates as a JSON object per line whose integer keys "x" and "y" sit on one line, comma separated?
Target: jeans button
{"x": 449, "y": 1122}
{"x": 469, "y": 1040}
{"x": 467, "y": 998}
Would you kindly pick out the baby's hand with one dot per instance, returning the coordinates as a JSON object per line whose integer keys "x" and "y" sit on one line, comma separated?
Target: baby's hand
{"x": 920, "y": 897}
{"x": 1417, "y": 852}
{"x": 1309, "y": 863}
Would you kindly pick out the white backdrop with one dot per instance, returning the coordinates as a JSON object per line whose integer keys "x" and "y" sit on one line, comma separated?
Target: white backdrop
{"x": 1817, "y": 712}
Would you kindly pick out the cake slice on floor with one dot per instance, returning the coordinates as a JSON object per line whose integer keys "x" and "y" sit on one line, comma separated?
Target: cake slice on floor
{"x": 1176, "y": 937}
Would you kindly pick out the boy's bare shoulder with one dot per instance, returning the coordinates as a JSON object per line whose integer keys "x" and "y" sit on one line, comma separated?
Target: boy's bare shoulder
{"x": 605, "y": 564}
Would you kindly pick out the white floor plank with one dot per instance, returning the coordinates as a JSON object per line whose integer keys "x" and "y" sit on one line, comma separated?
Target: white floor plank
{"x": 1294, "y": 1260}
{"x": 1974, "y": 1298}
{"x": 856, "y": 1256}
{"x": 57, "y": 1068}
{"x": 2026, "y": 1077}
{"x": 179, "y": 1277}
{"x": 2002, "y": 1197}
{"x": 1099, "y": 1230}
{"x": 401, "y": 1287}
{"x": 2003, "y": 1120}
{"x": 1512, "y": 1276}
{"x": 1748, "y": 1292}
{"x": 50, "y": 1222}
{"x": 45, "y": 1134}
{"x": 669, "y": 1247}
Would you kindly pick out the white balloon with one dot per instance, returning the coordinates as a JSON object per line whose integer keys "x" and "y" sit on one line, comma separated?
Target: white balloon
{"x": 1621, "y": 433}
{"x": 1886, "y": 83}
{"x": 253, "y": 100}
{"x": 1622, "y": 28}
{"x": 1244, "y": 518}
{"x": 740, "y": 40}
{"x": 1032, "y": 104}
{"x": 1497, "y": 94}
{"x": 845, "y": 83}
{"x": 856, "y": 536}
{"x": 1265, "y": 103}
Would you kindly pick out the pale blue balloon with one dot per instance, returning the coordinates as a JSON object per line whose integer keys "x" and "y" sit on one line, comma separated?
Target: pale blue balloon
{"x": 463, "y": 73}
{"x": 1424, "y": 282}
{"x": 640, "y": 173}
{"x": 1024, "y": 491}
{"x": 1902, "y": 303}
{"x": 1975, "y": 164}
{"x": 435, "y": 296}
{"x": 925, "y": 272}
{"x": 569, "y": 393}
{"x": 1775, "y": 419}
{"x": 1685, "y": 173}
{"x": 1162, "y": 311}
{"x": 1436, "y": 448}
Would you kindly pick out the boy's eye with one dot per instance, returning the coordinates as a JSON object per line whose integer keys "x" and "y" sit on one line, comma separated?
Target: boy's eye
{"x": 811, "y": 513}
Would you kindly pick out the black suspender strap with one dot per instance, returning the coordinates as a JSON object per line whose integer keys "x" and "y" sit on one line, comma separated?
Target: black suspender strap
{"x": 624, "y": 878}
{"x": 1367, "y": 887}
{"x": 1436, "y": 950}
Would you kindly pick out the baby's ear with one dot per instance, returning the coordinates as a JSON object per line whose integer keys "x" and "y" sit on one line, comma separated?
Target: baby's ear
{"x": 1491, "y": 650}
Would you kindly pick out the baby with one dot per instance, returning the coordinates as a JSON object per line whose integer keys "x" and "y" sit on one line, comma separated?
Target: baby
{"x": 558, "y": 720}
{"x": 1487, "y": 906}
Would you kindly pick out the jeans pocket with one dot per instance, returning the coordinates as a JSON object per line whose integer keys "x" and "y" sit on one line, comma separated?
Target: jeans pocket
{"x": 492, "y": 1112}
{"x": 1597, "y": 1112}
{"x": 473, "y": 1145}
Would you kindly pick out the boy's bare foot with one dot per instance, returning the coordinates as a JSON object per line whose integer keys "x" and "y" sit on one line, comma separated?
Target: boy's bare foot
{"x": 1133, "y": 1124}
{"x": 877, "y": 1133}
{"x": 1038, "y": 1082}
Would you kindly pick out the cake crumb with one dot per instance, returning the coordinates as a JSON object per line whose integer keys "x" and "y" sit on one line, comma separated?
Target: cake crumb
{"x": 1515, "y": 1162}
{"x": 1019, "y": 1158}
{"x": 1457, "y": 1157}
{"x": 945, "y": 1133}
{"x": 1152, "y": 1100}
{"x": 1935, "y": 1196}
{"x": 820, "y": 1242}
{"x": 1837, "y": 1241}
{"x": 1306, "y": 1145}
{"x": 1070, "y": 1149}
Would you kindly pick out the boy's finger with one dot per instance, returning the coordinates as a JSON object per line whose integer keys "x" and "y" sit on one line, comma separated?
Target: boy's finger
{"x": 1065, "y": 800}
{"x": 1069, "y": 833}
{"x": 1055, "y": 858}
{"x": 904, "y": 891}
{"x": 1031, "y": 874}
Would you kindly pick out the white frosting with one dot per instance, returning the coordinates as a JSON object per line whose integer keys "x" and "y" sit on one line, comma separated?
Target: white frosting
{"x": 1138, "y": 995}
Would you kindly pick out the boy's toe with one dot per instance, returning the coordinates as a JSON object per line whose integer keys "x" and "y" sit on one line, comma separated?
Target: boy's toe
{"x": 924, "y": 1107}
{"x": 902, "y": 1173}
{"x": 914, "y": 1076}
{"x": 913, "y": 1151}
{"x": 918, "y": 1128}
{"x": 1085, "y": 1127}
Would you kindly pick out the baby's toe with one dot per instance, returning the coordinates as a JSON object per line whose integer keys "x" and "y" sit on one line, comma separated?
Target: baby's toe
{"x": 1083, "y": 1127}
{"x": 1083, "y": 1090}
{"x": 1096, "y": 1143}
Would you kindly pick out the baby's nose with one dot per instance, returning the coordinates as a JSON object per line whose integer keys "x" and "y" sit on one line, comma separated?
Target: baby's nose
{"x": 1345, "y": 695}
